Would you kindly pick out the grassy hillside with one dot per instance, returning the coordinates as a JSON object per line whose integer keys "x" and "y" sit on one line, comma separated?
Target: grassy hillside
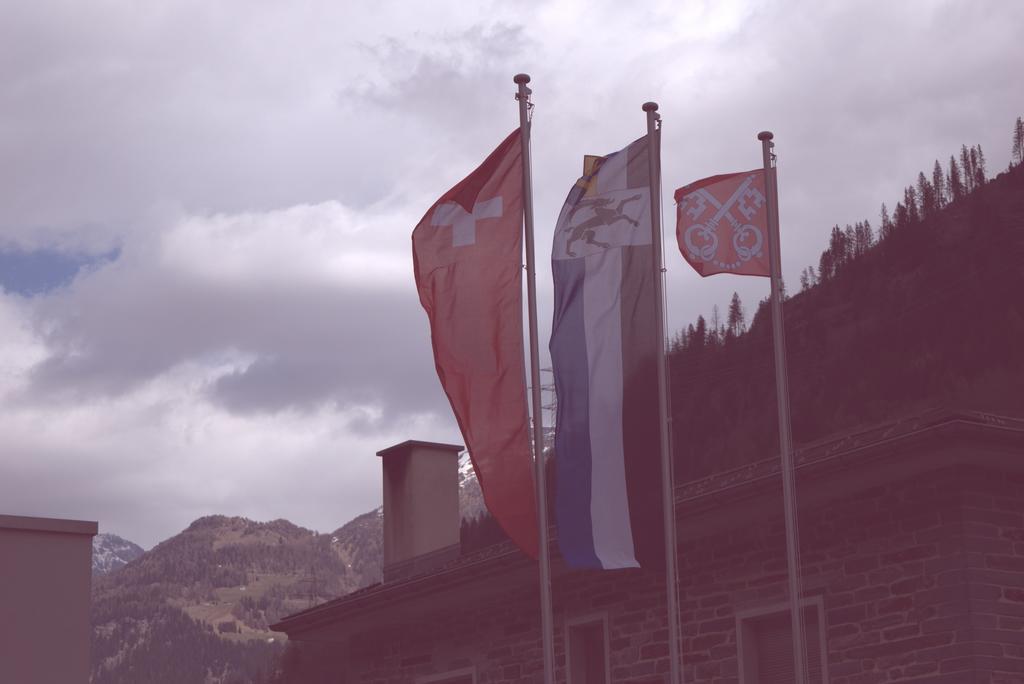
{"x": 196, "y": 607}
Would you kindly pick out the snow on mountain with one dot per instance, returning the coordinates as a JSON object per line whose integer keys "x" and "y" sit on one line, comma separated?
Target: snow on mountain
{"x": 465, "y": 468}
{"x": 110, "y": 552}
{"x": 471, "y": 499}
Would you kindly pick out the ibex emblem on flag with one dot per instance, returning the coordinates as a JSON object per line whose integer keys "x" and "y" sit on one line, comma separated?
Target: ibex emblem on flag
{"x": 606, "y": 213}
{"x": 703, "y": 220}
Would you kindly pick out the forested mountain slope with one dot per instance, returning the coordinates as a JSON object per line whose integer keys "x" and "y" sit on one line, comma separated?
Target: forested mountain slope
{"x": 930, "y": 315}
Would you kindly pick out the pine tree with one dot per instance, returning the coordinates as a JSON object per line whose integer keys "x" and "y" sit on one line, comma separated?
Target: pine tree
{"x": 700, "y": 333}
{"x": 938, "y": 186}
{"x": 849, "y": 244}
{"x": 737, "y": 323}
{"x": 837, "y": 245}
{"x": 910, "y": 200}
{"x": 886, "y": 229}
{"x": 956, "y": 186}
{"x": 808, "y": 278}
{"x": 925, "y": 195}
{"x": 717, "y": 329}
{"x": 974, "y": 168}
{"x": 826, "y": 265}
{"x": 869, "y": 235}
{"x": 1018, "y": 141}
{"x": 900, "y": 217}
{"x": 677, "y": 341}
{"x": 979, "y": 168}
{"x": 967, "y": 168}
{"x": 864, "y": 237}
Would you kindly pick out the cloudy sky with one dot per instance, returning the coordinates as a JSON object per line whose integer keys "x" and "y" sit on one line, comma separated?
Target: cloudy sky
{"x": 205, "y": 208}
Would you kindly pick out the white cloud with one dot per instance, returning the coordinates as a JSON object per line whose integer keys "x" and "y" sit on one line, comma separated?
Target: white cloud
{"x": 261, "y": 167}
{"x": 149, "y": 461}
{"x": 245, "y": 363}
{"x": 20, "y": 349}
{"x": 326, "y": 244}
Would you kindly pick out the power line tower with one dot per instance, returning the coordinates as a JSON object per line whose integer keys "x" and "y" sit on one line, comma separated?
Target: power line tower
{"x": 549, "y": 406}
{"x": 549, "y": 403}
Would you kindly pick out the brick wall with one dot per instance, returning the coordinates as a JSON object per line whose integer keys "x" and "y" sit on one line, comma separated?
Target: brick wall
{"x": 920, "y": 581}
{"x": 992, "y": 517}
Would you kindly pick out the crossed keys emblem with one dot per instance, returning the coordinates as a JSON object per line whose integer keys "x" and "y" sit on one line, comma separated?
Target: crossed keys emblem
{"x": 702, "y": 239}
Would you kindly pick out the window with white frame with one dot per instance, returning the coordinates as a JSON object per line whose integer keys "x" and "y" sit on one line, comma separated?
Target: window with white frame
{"x": 463, "y": 676}
{"x": 587, "y": 655}
{"x": 764, "y": 640}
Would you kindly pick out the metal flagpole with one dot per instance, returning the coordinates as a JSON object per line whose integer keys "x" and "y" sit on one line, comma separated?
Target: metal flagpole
{"x": 785, "y": 435}
{"x": 547, "y": 626}
{"x": 667, "y": 484}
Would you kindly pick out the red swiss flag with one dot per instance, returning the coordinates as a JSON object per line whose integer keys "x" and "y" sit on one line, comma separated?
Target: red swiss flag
{"x": 467, "y": 256}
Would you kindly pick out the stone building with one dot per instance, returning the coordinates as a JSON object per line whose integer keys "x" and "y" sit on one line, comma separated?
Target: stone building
{"x": 45, "y": 580}
{"x": 912, "y": 551}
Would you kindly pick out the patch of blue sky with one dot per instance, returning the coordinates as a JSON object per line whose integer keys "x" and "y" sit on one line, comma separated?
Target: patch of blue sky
{"x": 38, "y": 271}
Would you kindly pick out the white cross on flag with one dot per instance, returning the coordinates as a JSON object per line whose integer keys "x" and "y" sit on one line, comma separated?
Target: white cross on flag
{"x": 467, "y": 257}
{"x": 463, "y": 223}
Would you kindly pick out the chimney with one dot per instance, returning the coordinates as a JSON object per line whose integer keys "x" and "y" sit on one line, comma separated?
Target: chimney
{"x": 421, "y": 507}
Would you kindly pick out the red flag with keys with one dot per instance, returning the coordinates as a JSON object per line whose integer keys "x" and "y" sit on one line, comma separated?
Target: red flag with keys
{"x": 722, "y": 224}
{"x": 467, "y": 256}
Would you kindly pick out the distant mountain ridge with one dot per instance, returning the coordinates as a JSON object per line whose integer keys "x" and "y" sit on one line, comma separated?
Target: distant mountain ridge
{"x": 111, "y": 552}
{"x": 196, "y": 607}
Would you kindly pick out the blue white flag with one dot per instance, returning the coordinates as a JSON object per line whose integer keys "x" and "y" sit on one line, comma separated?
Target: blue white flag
{"x": 604, "y": 357}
